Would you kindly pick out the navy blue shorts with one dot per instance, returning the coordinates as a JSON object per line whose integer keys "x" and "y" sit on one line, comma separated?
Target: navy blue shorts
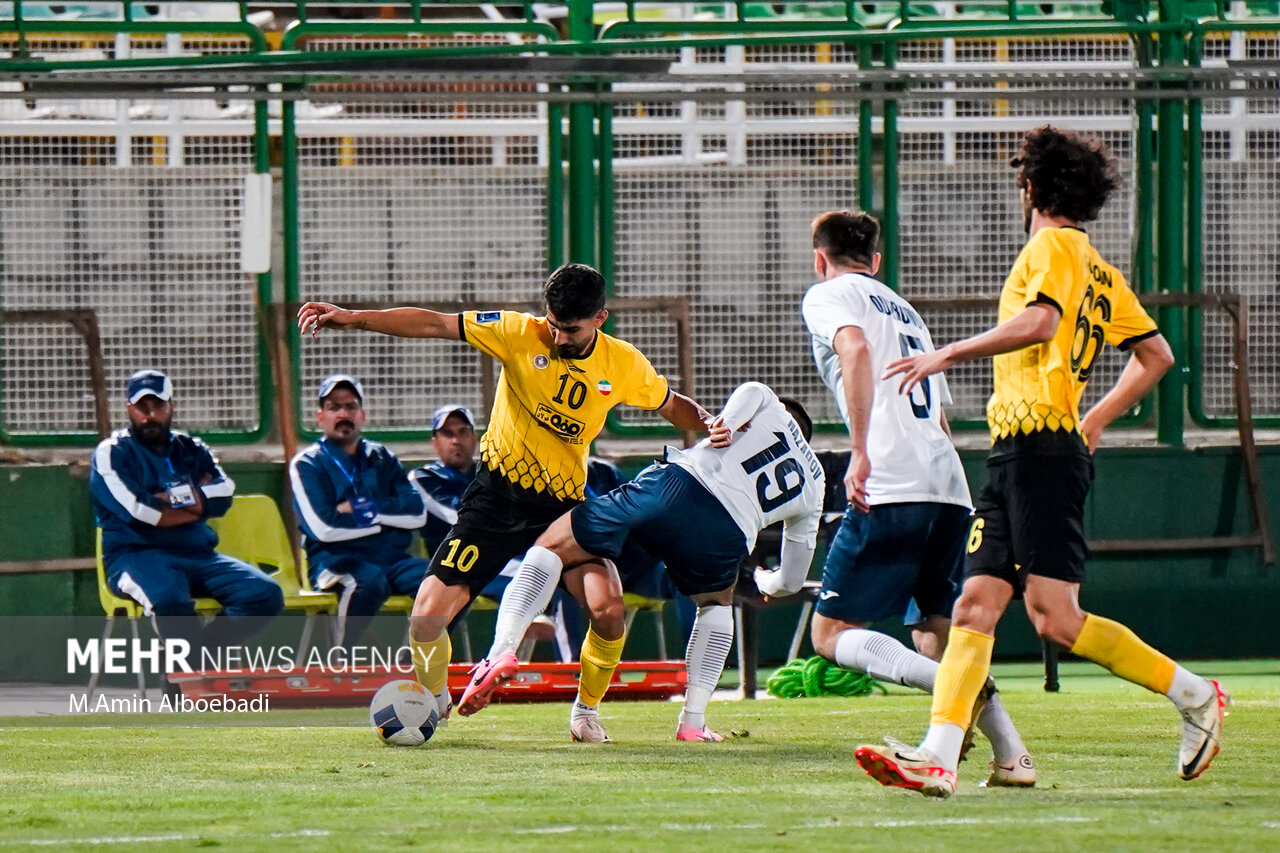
{"x": 898, "y": 560}
{"x": 666, "y": 511}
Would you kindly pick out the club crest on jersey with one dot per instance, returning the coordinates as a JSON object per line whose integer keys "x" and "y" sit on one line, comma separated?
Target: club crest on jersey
{"x": 604, "y": 387}
{"x": 540, "y": 361}
{"x": 488, "y": 316}
{"x": 562, "y": 425}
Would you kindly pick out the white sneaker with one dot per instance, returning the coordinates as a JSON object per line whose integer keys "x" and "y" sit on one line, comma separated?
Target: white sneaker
{"x": 587, "y": 728}
{"x": 1202, "y": 733}
{"x": 1019, "y": 773}
{"x": 914, "y": 769}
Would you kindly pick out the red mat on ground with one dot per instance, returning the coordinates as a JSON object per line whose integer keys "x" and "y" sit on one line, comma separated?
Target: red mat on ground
{"x": 326, "y": 688}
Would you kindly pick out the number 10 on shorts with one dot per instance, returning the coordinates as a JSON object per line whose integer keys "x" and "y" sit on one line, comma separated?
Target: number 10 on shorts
{"x": 465, "y": 560}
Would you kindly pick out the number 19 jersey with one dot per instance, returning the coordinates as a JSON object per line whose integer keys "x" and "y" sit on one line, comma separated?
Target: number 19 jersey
{"x": 912, "y": 457}
{"x": 767, "y": 474}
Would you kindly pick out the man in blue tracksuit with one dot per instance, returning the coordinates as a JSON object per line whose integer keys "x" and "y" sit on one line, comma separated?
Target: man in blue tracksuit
{"x": 443, "y": 482}
{"x": 357, "y": 512}
{"x": 153, "y": 487}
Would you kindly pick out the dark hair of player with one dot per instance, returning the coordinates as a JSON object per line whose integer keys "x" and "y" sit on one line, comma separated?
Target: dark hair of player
{"x": 1070, "y": 175}
{"x": 574, "y": 292}
{"x": 802, "y": 418}
{"x": 847, "y": 237}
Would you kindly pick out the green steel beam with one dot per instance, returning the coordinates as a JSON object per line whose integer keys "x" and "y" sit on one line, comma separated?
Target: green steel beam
{"x": 582, "y": 151}
{"x": 1171, "y": 226}
{"x": 555, "y": 186}
{"x": 358, "y": 58}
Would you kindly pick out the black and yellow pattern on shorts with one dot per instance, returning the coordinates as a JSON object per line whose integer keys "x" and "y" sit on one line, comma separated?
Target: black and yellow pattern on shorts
{"x": 492, "y": 529}
{"x": 1029, "y": 517}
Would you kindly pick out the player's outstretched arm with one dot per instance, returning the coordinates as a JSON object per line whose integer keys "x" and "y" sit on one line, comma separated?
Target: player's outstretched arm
{"x": 398, "y": 322}
{"x": 1034, "y": 325}
{"x": 685, "y": 414}
{"x": 1150, "y": 360}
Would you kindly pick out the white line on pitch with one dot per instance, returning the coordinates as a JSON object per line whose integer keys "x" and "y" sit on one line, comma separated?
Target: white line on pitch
{"x": 149, "y": 839}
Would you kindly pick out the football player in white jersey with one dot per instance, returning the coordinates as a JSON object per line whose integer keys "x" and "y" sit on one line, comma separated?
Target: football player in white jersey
{"x": 899, "y": 549}
{"x": 700, "y": 511}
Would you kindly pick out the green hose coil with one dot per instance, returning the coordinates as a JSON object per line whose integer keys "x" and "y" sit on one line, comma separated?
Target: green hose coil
{"x": 817, "y": 676}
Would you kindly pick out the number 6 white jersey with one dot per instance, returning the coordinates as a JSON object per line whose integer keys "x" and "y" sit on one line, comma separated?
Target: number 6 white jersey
{"x": 767, "y": 474}
{"x": 912, "y": 457}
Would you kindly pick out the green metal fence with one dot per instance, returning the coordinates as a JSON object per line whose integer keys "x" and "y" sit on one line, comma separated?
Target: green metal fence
{"x": 471, "y": 196}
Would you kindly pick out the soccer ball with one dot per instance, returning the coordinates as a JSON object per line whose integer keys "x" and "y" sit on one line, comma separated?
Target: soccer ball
{"x": 403, "y": 713}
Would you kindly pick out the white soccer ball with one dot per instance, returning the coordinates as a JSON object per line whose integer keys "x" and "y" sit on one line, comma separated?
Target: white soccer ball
{"x": 403, "y": 713}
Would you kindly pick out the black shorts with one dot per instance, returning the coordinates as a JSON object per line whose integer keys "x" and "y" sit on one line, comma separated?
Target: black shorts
{"x": 1029, "y": 519}
{"x": 491, "y": 529}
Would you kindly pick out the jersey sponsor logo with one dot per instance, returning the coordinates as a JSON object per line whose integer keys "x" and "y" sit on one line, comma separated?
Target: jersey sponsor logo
{"x": 828, "y": 594}
{"x": 488, "y": 316}
{"x": 561, "y": 425}
{"x": 604, "y": 387}
{"x": 540, "y": 361}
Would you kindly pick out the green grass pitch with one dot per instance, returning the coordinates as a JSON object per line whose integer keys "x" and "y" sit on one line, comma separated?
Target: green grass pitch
{"x": 509, "y": 779}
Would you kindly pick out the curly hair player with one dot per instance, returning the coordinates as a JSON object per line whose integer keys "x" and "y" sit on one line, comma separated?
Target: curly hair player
{"x": 1060, "y": 304}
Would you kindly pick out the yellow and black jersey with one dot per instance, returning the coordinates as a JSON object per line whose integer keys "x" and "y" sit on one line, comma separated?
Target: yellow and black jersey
{"x": 1039, "y": 387}
{"x": 549, "y": 409}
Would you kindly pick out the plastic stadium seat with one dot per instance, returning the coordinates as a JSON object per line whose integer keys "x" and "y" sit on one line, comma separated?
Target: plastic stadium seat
{"x": 114, "y": 605}
{"x": 636, "y": 603}
{"x": 253, "y": 530}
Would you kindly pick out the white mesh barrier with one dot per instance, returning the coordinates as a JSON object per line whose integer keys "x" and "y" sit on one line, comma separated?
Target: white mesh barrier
{"x": 960, "y": 214}
{"x": 417, "y": 202}
{"x": 131, "y": 209}
{"x": 714, "y": 202}
{"x": 1241, "y": 208}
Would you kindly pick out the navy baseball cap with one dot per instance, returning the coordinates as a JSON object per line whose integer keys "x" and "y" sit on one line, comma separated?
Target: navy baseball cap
{"x": 150, "y": 383}
{"x": 440, "y": 415}
{"x": 332, "y": 382}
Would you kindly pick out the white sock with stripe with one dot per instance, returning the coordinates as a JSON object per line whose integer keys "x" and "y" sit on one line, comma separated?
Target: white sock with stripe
{"x": 709, "y": 645}
{"x": 525, "y": 597}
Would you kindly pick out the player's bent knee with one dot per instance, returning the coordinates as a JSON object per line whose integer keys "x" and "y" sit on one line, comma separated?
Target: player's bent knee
{"x": 609, "y": 617}
{"x": 425, "y": 625}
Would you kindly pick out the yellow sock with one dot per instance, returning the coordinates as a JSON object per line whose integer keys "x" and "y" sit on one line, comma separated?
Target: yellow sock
{"x": 961, "y": 674}
{"x": 599, "y": 658}
{"x": 431, "y": 661}
{"x": 1115, "y": 647}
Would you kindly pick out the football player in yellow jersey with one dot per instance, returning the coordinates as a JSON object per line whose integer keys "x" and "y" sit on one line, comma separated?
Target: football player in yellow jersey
{"x": 1061, "y": 302}
{"x": 560, "y": 377}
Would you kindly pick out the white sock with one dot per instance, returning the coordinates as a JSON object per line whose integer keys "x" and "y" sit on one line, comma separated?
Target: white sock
{"x": 525, "y": 597}
{"x": 582, "y": 709}
{"x": 709, "y": 644}
{"x": 995, "y": 724}
{"x": 884, "y": 658}
{"x": 1188, "y": 690}
{"x": 944, "y": 740}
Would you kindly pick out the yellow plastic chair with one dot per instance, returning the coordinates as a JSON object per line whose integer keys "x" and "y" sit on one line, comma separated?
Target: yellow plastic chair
{"x": 636, "y": 603}
{"x": 253, "y": 531}
{"x": 114, "y": 605}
